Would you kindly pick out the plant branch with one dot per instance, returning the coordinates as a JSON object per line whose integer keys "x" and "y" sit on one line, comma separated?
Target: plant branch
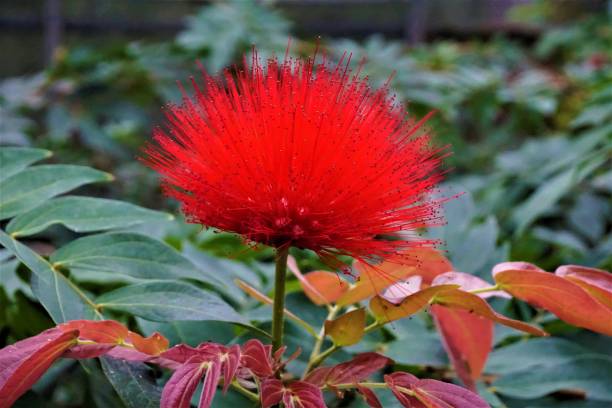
{"x": 315, "y": 361}
{"x": 320, "y": 339}
{"x": 278, "y": 308}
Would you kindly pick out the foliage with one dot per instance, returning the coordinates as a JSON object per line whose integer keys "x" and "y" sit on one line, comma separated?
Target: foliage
{"x": 530, "y": 128}
{"x": 168, "y": 288}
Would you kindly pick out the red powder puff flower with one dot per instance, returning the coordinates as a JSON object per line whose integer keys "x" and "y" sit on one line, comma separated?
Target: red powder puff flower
{"x": 300, "y": 153}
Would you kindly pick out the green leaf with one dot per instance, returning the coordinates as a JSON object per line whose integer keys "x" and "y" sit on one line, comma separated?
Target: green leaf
{"x": 533, "y": 352}
{"x": 590, "y": 374}
{"x": 190, "y": 332}
{"x": 82, "y": 214}
{"x": 416, "y": 344}
{"x": 15, "y": 159}
{"x": 164, "y": 301}
{"x": 9, "y": 280}
{"x": 133, "y": 381}
{"x": 543, "y": 199}
{"x": 29, "y": 188}
{"x": 62, "y": 299}
{"x": 124, "y": 257}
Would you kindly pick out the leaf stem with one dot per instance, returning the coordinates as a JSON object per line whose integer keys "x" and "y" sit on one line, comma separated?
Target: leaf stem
{"x": 333, "y": 310}
{"x": 278, "y": 307}
{"x": 249, "y": 394}
{"x": 483, "y": 290}
{"x": 363, "y": 384}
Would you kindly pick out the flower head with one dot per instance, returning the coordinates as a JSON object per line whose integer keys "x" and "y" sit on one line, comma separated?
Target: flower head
{"x": 300, "y": 153}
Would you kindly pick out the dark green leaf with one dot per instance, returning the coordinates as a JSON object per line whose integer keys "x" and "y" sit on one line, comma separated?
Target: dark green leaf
{"x": 192, "y": 333}
{"x": 588, "y": 374}
{"x": 61, "y": 298}
{"x": 15, "y": 159}
{"x": 83, "y": 214}
{"x": 123, "y": 257}
{"x": 164, "y": 301}
{"x": 133, "y": 381}
{"x": 533, "y": 352}
{"x": 31, "y": 187}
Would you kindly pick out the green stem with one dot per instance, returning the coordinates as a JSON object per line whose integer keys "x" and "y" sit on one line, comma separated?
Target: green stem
{"x": 316, "y": 360}
{"x": 321, "y": 357}
{"x": 320, "y": 339}
{"x": 278, "y": 309}
{"x": 249, "y": 394}
{"x": 363, "y": 384}
{"x": 483, "y": 290}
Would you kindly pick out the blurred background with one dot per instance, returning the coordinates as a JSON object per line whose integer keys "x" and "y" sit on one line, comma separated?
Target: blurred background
{"x": 522, "y": 90}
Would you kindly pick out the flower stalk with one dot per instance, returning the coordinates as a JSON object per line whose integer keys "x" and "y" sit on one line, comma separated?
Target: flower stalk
{"x": 278, "y": 308}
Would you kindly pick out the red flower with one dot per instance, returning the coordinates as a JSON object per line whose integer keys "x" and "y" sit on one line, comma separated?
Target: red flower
{"x": 300, "y": 153}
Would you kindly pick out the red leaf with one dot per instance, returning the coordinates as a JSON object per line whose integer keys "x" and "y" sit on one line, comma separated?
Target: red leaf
{"x": 321, "y": 287}
{"x": 329, "y": 287}
{"x": 353, "y": 371}
{"x": 109, "y": 333}
{"x": 298, "y": 394}
{"x": 414, "y": 393}
{"x": 209, "y": 388}
{"x": 22, "y": 363}
{"x": 89, "y": 351}
{"x": 231, "y": 361}
{"x": 257, "y": 357}
{"x": 271, "y": 392}
{"x": 458, "y": 299}
{"x": 561, "y": 296}
{"x": 180, "y": 387}
{"x": 154, "y": 345}
{"x": 467, "y": 338}
{"x": 100, "y": 331}
{"x": 176, "y": 356}
{"x": 595, "y": 281}
{"x": 370, "y": 397}
{"x": 208, "y": 359}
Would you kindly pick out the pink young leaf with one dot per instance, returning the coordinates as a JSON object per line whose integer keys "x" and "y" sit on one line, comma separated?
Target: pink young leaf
{"x": 231, "y": 361}
{"x": 257, "y": 357}
{"x": 400, "y": 290}
{"x": 129, "y": 354}
{"x": 353, "y": 371}
{"x": 180, "y": 387}
{"x": 89, "y": 351}
{"x": 209, "y": 360}
{"x": 412, "y": 392}
{"x": 271, "y": 392}
{"x": 298, "y": 394}
{"x": 468, "y": 282}
{"x": 211, "y": 380}
{"x": 515, "y": 266}
{"x": 22, "y": 363}
{"x": 370, "y": 397}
